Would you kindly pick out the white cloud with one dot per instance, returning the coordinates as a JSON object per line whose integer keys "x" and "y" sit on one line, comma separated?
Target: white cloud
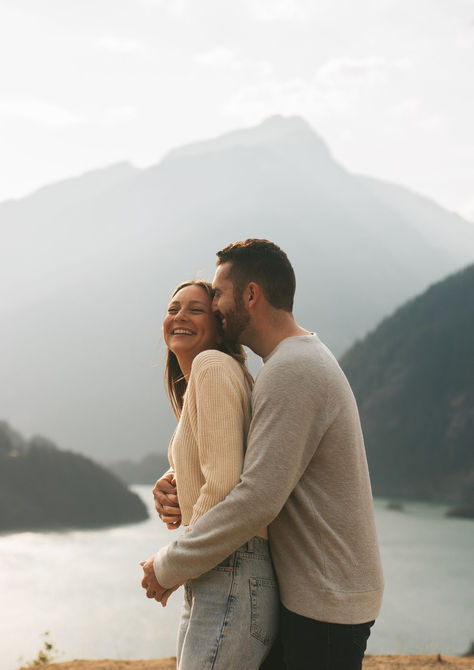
{"x": 220, "y": 57}
{"x": 432, "y": 123}
{"x": 177, "y": 8}
{"x": 264, "y": 68}
{"x": 293, "y": 96}
{"x": 120, "y": 114}
{"x": 339, "y": 70}
{"x": 406, "y": 108}
{"x": 225, "y": 59}
{"x": 119, "y": 45}
{"x": 467, "y": 211}
{"x": 39, "y": 112}
{"x": 404, "y": 63}
{"x": 338, "y": 88}
{"x": 278, "y": 10}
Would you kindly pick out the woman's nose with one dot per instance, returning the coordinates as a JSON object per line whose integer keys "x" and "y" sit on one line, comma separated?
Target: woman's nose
{"x": 181, "y": 315}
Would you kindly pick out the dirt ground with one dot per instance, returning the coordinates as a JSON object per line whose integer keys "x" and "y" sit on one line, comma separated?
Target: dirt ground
{"x": 370, "y": 663}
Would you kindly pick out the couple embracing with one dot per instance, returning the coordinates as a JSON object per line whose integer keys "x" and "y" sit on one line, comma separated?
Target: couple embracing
{"x": 279, "y": 560}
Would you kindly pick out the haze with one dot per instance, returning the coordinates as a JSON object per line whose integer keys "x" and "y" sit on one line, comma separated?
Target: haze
{"x": 387, "y": 83}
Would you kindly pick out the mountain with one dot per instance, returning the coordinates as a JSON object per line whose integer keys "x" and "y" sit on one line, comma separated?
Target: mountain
{"x": 87, "y": 267}
{"x": 42, "y": 487}
{"x": 413, "y": 378}
{"x": 145, "y": 471}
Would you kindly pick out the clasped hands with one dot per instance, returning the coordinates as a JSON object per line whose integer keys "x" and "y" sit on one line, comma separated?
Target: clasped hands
{"x": 167, "y": 506}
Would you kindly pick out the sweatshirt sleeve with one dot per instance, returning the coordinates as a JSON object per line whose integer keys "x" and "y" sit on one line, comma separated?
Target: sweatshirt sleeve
{"x": 220, "y": 435}
{"x": 289, "y": 420}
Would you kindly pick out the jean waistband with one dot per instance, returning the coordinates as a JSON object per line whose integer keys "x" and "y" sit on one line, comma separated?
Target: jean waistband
{"x": 256, "y": 545}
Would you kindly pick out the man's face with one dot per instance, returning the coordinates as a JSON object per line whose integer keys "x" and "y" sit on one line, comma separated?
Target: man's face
{"x": 228, "y": 306}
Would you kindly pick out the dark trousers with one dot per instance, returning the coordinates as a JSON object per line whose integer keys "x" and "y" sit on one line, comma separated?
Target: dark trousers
{"x": 307, "y": 644}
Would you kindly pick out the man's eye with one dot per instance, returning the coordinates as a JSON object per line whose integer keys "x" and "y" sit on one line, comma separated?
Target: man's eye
{"x": 171, "y": 310}
{"x": 196, "y": 309}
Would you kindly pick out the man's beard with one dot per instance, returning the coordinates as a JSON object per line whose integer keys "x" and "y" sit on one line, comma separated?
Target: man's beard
{"x": 236, "y": 321}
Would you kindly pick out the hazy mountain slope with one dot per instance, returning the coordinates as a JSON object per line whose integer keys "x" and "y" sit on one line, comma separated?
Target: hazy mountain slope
{"x": 70, "y": 191}
{"x": 429, "y": 219}
{"x": 85, "y": 280}
{"x": 413, "y": 377}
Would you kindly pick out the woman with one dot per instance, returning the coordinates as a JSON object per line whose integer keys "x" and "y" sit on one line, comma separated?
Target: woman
{"x": 225, "y": 622}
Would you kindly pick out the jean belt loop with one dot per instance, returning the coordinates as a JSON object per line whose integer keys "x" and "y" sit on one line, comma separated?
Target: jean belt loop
{"x": 250, "y": 545}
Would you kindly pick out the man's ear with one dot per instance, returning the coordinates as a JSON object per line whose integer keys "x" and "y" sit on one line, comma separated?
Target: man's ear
{"x": 253, "y": 293}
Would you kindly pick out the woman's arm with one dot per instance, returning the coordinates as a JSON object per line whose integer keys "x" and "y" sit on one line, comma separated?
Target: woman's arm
{"x": 222, "y": 416}
{"x": 165, "y": 494}
{"x": 166, "y": 500}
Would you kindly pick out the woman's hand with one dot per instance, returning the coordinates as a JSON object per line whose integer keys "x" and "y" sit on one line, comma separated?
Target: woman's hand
{"x": 166, "y": 501}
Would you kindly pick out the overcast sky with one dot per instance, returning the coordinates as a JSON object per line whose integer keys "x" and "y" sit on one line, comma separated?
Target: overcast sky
{"x": 387, "y": 83}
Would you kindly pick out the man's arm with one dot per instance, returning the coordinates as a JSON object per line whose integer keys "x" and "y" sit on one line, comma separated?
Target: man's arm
{"x": 282, "y": 439}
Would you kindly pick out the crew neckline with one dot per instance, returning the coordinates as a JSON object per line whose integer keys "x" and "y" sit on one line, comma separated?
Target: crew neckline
{"x": 310, "y": 335}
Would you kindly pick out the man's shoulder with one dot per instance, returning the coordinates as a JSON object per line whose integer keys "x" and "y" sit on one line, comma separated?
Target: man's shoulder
{"x": 298, "y": 360}
{"x": 299, "y": 351}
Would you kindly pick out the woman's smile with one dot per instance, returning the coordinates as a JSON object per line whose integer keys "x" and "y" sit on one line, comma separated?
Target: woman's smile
{"x": 190, "y": 326}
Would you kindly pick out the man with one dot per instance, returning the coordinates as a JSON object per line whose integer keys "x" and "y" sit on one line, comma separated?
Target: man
{"x": 305, "y": 476}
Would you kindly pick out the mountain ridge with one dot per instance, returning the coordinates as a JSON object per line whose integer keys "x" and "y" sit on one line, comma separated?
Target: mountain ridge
{"x": 85, "y": 281}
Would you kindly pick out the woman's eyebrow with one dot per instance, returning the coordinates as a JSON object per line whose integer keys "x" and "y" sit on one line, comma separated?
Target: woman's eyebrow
{"x": 191, "y": 302}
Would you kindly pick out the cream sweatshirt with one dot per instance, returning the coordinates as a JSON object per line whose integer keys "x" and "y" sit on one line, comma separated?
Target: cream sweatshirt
{"x": 305, "y": 473}
{"x": 207, "y": 449}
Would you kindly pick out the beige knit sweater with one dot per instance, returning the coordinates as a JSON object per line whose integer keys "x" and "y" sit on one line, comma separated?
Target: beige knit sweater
{"x": 207, "y": 450}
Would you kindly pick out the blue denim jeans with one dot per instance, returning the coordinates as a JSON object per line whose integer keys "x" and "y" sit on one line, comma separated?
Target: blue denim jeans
{"x": 230, "y": 614}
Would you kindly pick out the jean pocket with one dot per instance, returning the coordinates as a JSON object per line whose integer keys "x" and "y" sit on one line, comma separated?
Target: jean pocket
{"x": 227, "y": 565}
{"x": 264, "y": 610}
{"x": 188, "y": 592}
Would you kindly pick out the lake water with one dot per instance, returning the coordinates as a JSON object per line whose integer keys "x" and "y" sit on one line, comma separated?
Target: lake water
{"x": 83, "y": 587}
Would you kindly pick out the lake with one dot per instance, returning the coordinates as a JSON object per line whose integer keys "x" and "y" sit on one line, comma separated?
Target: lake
{"x": 83, "y": 587}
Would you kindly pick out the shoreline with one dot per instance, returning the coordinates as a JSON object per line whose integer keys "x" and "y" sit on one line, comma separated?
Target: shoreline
{"x": 389, "y": 662}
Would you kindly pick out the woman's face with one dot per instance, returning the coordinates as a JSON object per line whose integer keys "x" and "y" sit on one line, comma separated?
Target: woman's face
{"x": 190, "y": 326}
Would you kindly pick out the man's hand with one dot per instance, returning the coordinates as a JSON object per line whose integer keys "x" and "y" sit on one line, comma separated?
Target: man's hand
{"x": 167, "y": 593}
{"x": 166, "y": 501}
{"x": 152, "y": 586}
{"x": 150, "y": 583}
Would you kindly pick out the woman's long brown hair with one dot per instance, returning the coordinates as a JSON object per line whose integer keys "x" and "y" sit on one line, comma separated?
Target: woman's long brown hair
{"x": 175, "y": 380}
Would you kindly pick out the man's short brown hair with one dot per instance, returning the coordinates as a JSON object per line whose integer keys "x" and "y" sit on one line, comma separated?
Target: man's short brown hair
{"x": 264, "y": 263}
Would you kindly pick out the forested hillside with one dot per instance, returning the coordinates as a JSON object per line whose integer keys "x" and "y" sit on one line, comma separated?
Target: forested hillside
{"x": 414, "y": 381}
{"x": 43, "y": 487}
